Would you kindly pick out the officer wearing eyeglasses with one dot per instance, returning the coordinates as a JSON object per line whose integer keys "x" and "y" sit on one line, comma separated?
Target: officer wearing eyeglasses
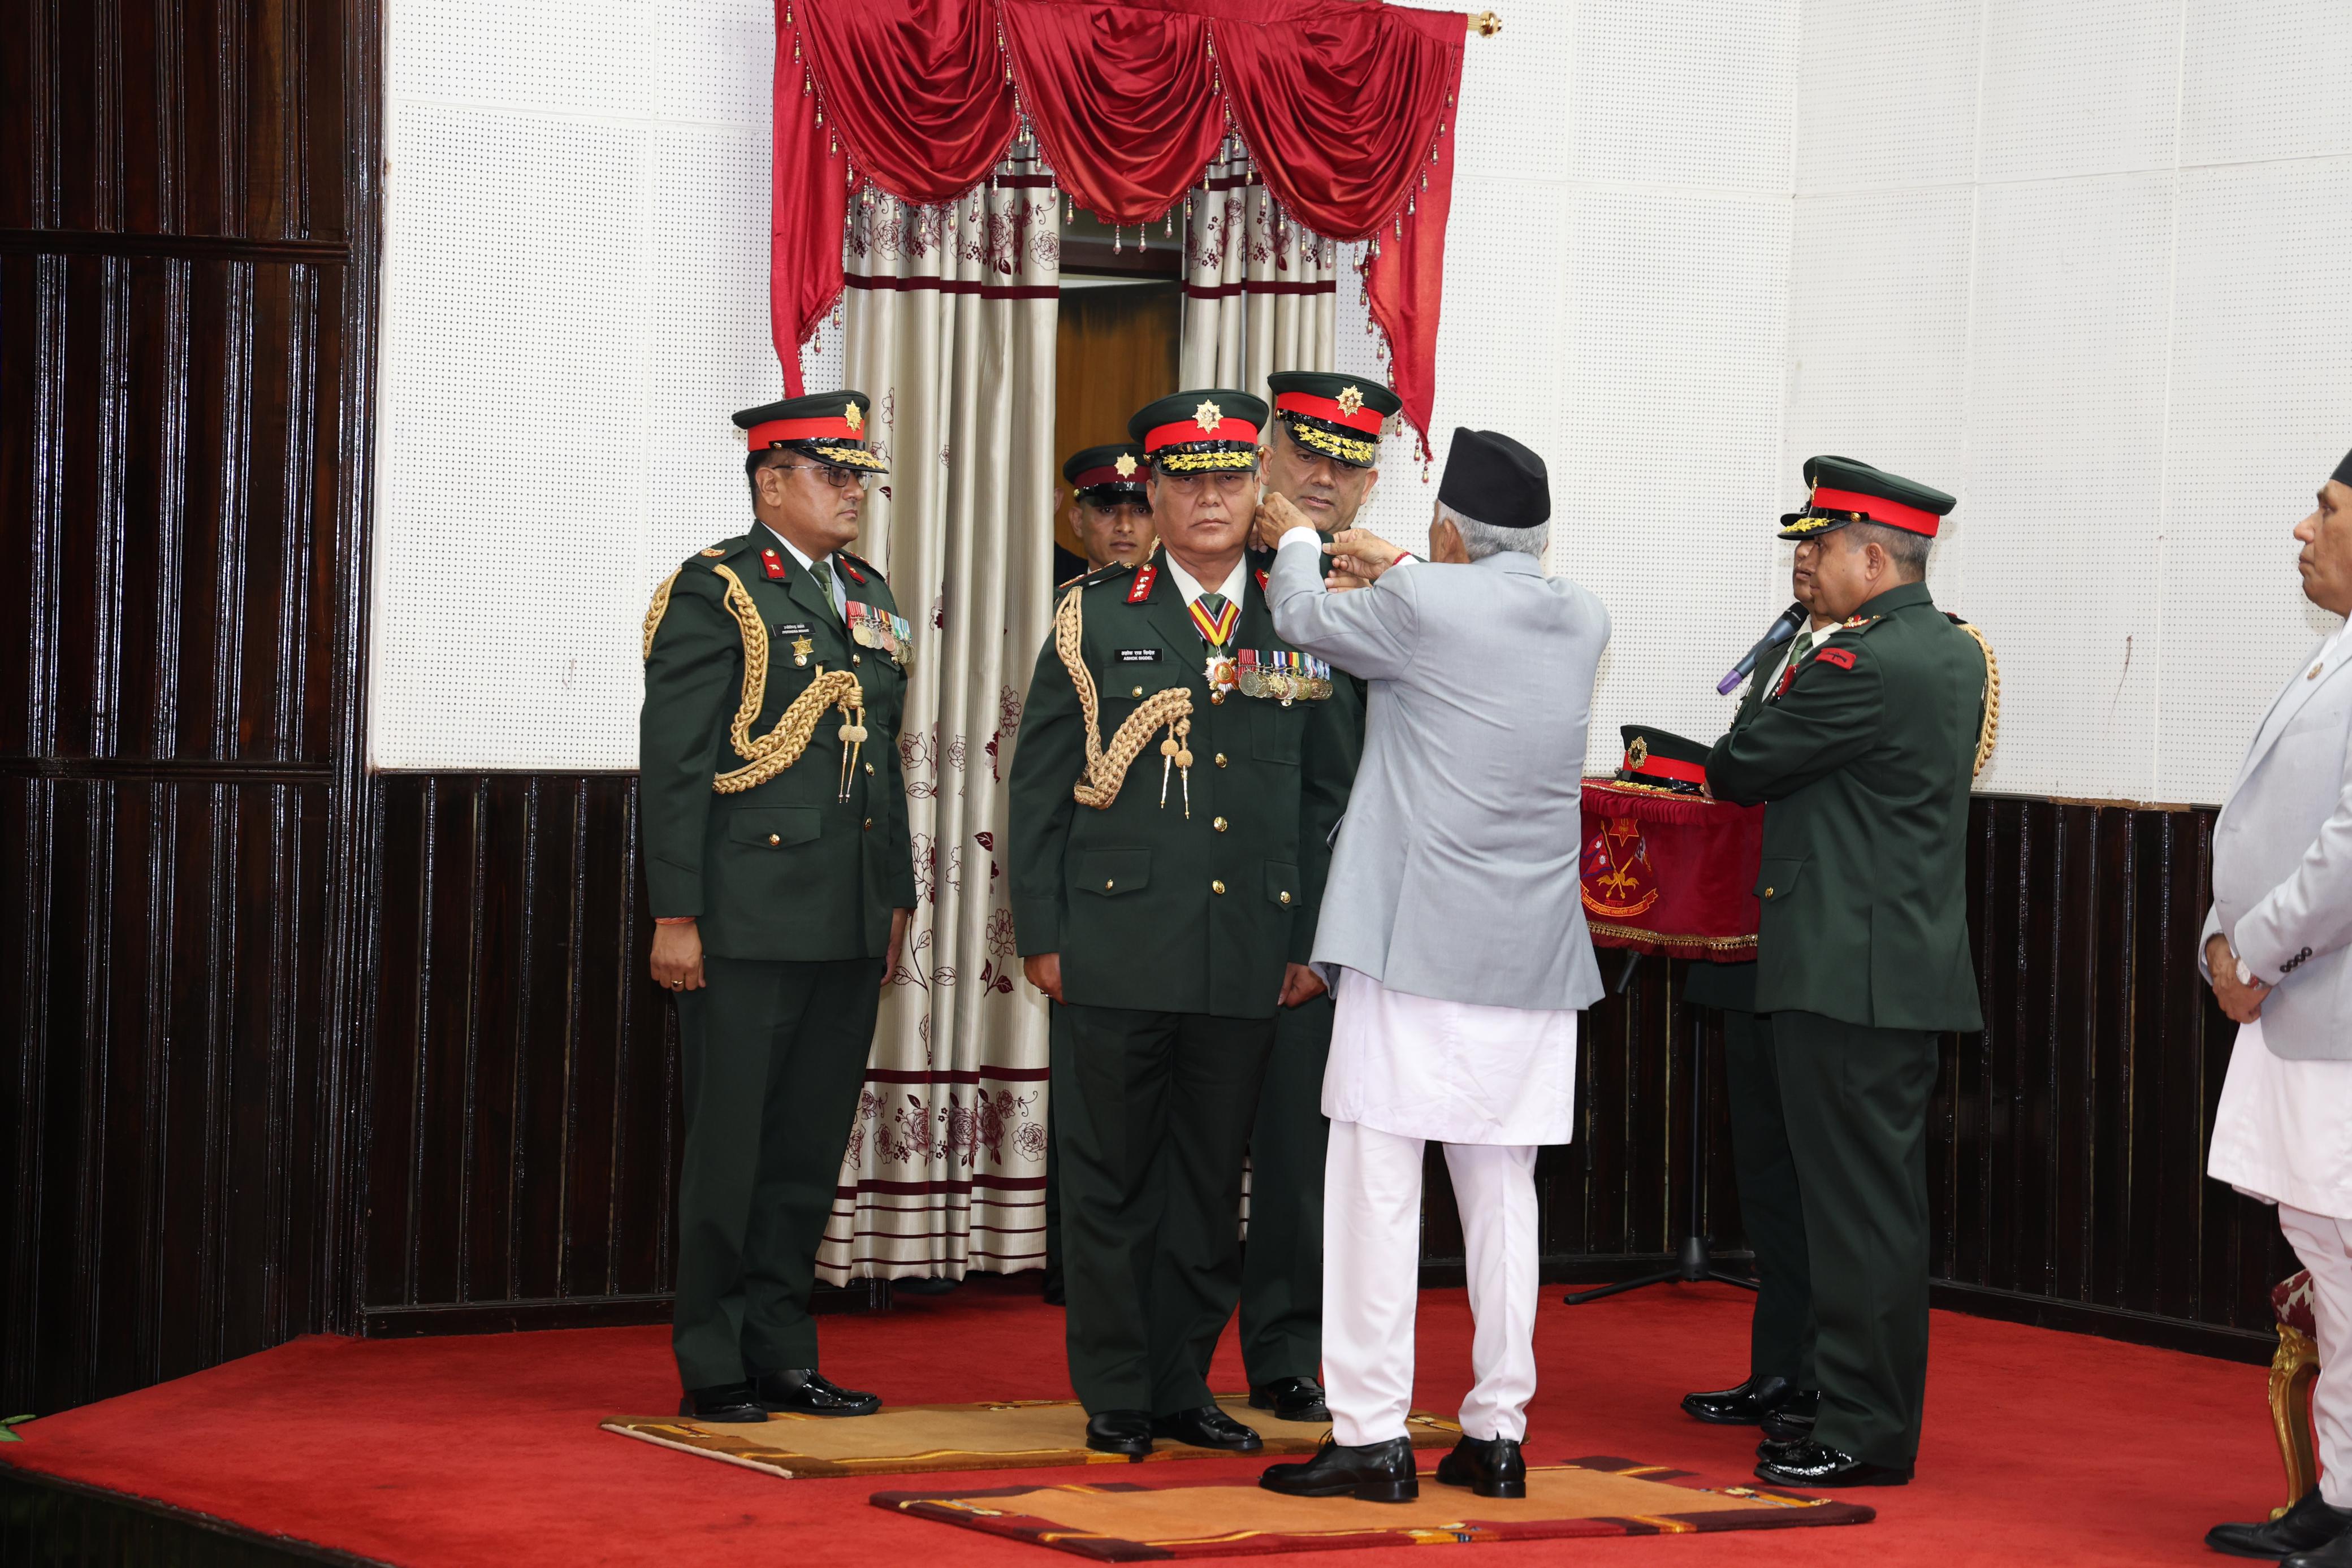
{"x": 777, "y": 865}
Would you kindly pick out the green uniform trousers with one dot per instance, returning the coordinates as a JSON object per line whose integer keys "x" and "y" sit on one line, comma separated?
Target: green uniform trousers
{"x": 1856, "y": 1102}
{"x": 1282, "y": 1266}
{"x": 774, "y": 1057}
{"x": 1781, "y": 1335}
{"x": 1155, "y": 1112}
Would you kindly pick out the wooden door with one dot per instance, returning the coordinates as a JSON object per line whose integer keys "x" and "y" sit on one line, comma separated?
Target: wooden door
{"x": 1115, "y": 351}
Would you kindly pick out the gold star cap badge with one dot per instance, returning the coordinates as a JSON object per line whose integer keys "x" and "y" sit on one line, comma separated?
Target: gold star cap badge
{"x": 1351, "y": 398}
{"x": 1126, "y": 465}
{"x": 1208, "y": 416}
{"x": 1639, "y": 752}
{"x": 854, "y": 416}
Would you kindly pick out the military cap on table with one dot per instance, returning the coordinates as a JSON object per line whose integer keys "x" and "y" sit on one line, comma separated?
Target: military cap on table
{"x": 1663, "y": 869}
{"x": 1662, "y": 759}
{"x": 826, "y": 427}
{"x": 1206, "y": 430}
{"x": 1108, "y": 475}
{"x": 1340, "y": 416}
{"x": 1493, "y": 479}
{"x": 1846, "y": 490}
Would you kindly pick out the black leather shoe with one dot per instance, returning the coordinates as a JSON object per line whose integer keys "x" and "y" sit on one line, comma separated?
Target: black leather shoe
{"x": 735, "y": 1402}
{"x": 1376, "y": 1472}
{"x": 2336, "y": 1553}
{"x": 1119, "y": 1432}
{"x": 1290, "y": 1399}
{"x": 1207, "y": 1427}
{"x": 1742, "y": 1407}
{"x": 2305, "y": 1527}
{"x": 1491, "y": 1466}
{"x": 1812, "y": 1464}
{"x": 1792, "y": 1421}
{"x": 1772, "y": 1450}
{"x": 807, "y": 1392}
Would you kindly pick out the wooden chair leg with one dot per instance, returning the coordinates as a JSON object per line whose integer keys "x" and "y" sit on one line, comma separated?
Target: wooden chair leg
{"x": 2293, "y": 1370}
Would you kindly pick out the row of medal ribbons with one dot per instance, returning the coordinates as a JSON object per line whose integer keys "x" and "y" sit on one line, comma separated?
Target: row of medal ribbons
{"x": 878, "y": 629}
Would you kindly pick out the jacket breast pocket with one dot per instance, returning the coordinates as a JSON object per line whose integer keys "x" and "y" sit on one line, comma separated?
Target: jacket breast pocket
{"x": 1275, "y": 731}
{"x": 1776, "y": 879}
{"x": 1113, "y": 873}
{"x": 774, "y": 827}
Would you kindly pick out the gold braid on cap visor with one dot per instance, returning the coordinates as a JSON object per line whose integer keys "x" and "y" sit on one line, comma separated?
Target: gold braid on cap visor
{"x": 1346, "y": 450}
{"x": 1201, "y": 461}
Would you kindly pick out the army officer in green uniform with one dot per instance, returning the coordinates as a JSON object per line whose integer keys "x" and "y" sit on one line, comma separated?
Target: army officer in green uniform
{"x": 1322, "y": 453}
{"x": 1865, "y": 752}
{"x": 777, "y": 861}
{"x": 1781, "y": 1393}
{"x": 1179, "y": 771}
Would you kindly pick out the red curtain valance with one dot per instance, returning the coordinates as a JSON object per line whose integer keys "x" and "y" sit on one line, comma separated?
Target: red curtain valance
{"x": 1344, "y": 105}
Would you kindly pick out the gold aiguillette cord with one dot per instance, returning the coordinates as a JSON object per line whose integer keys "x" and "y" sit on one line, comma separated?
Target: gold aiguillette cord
{"x": 1174, "y": 751}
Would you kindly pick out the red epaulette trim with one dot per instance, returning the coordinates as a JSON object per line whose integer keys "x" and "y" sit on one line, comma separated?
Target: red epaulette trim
{"x": 1145, "y": 576}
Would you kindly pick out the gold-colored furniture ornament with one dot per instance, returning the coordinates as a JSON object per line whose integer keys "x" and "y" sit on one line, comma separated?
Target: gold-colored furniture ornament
{"x": 2293, "y": 1370}
{"x": 1106, "y": 766}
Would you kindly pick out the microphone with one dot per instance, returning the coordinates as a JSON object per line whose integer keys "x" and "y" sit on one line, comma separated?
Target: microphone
{"x": 1781, "y": 631}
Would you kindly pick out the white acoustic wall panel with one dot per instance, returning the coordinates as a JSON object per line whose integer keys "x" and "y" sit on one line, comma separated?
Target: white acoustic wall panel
{"x": 2056, "y": 551}
{"x": 1683, "y": 92}
{"x": 1888, "y": 94}
{"x": 2262, "y": 411}
{"x": 1676, "y": 340}
{"x": 1878, "y": 333}
{"x": 2266, "y": 79}
{"x": 2085, "y": 87}
{"x": 575, "y": 300}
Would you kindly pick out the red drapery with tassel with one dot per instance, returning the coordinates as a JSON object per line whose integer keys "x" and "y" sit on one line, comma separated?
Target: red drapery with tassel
{"x": 1344, "y": 104}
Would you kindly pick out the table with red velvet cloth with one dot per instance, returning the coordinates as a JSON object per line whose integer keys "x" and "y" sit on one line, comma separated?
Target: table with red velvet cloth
{"x": 1668, "y": 872}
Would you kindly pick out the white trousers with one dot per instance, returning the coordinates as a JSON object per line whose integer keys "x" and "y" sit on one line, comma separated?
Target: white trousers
{"x": 2325, "y": 1245}
{"x": 1371, "y": 1280}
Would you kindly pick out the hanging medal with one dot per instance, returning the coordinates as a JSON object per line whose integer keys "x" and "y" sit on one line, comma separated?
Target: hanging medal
{"x": 1217, "y": 631}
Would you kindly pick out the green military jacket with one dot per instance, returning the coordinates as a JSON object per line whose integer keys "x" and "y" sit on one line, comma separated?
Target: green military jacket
{"x": 1148, "y": 907}
{"x": 1866, "y": 760}
{"x": 785, "y": 869}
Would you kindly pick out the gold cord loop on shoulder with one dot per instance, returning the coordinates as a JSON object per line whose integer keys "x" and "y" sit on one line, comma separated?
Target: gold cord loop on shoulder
{"x": 772, "y": 753}
{"x": 1989, "y": 731}
{"x": 1106, "y": 766}
{"x": 656, "y": 611}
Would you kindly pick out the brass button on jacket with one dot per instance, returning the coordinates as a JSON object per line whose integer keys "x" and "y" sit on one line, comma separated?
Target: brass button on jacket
{"x": 1219, "y": 824}
{"x": 1220, "y": 759}
{"x": 1216, "y": 887}
{"x": 775, "y": 837}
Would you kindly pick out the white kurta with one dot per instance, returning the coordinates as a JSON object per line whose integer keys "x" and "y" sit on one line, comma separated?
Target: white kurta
{"x": 1458, "y": 1072}
{"x": 2282, "y": 1133}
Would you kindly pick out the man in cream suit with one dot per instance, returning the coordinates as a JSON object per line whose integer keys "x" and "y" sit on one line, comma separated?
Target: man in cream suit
{"x": 1454, "y": 932}
{"x": 2275, "y": 948}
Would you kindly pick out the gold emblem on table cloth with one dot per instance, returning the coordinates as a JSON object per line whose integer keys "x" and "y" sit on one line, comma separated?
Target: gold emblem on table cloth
{"x": 1106, "y": 767}
{"x": 1208, "y": 416}
{"x": 782, "y": 747}
{"x": 1618, "y": 883}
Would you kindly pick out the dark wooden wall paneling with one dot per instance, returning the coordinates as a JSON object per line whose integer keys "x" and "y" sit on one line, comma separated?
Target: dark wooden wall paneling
{"x": 187, "y": 242}
{"x": 524, "y": 1105}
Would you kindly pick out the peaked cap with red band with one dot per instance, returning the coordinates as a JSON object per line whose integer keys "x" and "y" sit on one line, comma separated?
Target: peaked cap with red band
{"x": 1338, "y": 416}
{"x": 826, "y": 427}
{"x": 1845, "y": 491}
{"x": 1108, "y": 475}
{"x": 1212, "y": 429}
{"x": 1662, "y": 759}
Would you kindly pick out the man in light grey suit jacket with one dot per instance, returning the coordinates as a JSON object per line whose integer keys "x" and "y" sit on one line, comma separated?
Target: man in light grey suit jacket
{"x": 1453, "y": 933}
{"x": 2278, "y": 950}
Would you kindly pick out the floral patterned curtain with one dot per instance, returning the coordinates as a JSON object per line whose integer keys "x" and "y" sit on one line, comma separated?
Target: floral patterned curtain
{"x": 1261, "y": 293}
{"x": 950, "y": 327}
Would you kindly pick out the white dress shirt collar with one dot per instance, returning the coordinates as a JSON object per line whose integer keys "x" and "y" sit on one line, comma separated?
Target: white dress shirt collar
{"x": 1233, "y": 587}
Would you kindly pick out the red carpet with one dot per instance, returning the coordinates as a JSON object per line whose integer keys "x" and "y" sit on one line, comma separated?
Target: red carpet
{"x": 2041, "y": 1447}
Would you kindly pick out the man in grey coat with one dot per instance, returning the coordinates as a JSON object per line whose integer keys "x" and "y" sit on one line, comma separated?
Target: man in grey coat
{"x": 2278, "y": 950}
{"x": 1453, "y": 933}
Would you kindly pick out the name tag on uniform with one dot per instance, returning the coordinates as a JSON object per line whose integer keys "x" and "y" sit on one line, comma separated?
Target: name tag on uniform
{"x": 797, "y": 629}
{"x": 1138, "y": 655}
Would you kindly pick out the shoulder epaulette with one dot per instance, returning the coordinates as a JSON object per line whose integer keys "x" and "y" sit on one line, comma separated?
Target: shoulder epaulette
{"x": 861, "y": 562}
{"x": 1862, "y": 623}
{"x": 1099, "y": 574}
{"x": 701, "y": 558}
